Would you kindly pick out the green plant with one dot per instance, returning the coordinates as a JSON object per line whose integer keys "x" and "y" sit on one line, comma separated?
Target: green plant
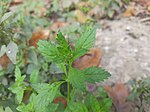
{"x": 44, "y": 94}
{"x": 140, "y": 94}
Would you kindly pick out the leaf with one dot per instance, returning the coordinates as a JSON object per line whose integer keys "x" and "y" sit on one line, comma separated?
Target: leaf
{"x": 105, "y": 105}
{"x": 91, "y": 58}
{"x": 77, "y": 79}
{"x": 18, "y": 87}
{"x": 95, "y": 74}
{"x": 81, "y": 17}
{"x": 92, "y": 103}
{"x": 25, "y": 108}
{"x": 60, "y": 99}
{"x": 4, "y": 61}
{"x": 34, "y": 77}
{"x": 63, "y": 46}
{"x": 45, "y": 96}
{"x": 76, "y": 107}
{"x": 83, "y": 43}
{"x": 6, "y": 16}
{"x": 32, "y": 57}
{"x": 3, "y": 50}
{"x": 119, "y": 93}
{"x": 130, "y": 11}
{"x": 7, "y": 109}
{"x": 11, "y": 52}
{"x": 39, "y": 34}
{"x": 50, "y": 51}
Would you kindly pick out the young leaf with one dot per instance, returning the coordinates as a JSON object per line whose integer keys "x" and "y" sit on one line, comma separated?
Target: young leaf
{"x": 77, "y": 79}
{"x": 45, "y": 96}
{"x": 76, "y": 107}
{"x": 50, "y": 51}
{"x": 25, "y": 108}
{"x": 95, "y": 74}
{"x": 19, "y": 86}
{"x": 63, "y": 46}
{"x": 85, "y": 42}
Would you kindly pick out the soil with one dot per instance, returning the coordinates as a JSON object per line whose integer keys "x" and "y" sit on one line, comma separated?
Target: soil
{"x": 125, "y": 45}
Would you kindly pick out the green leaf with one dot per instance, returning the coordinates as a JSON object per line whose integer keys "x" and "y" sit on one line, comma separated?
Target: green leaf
{"x": 26, "y": 108}
{"x": 45, "y": 96}
{"x": 7, "y": 109}
{"x": 63, "y": 46}
{"x": 50, "y": 51}
{"x": 18, "y": 87}
{"x": 32, "y": 57}
{"x": 105, "y": 105}
{"x": 76, "y": 107}
{"x": 92, "y": 103}
{"x": 95, "y": 74}
{"x": 77, "y": 79}
{"x": 85, "y": 42}
{"x": 34, "y": 77}
{"x": 6, "y": 16}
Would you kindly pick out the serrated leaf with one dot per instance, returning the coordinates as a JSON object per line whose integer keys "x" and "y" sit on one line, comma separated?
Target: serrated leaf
{"x": 76, "y": 107}
{"x": 105, "y": 105}
{"x": 18, "y": 87}
{"x": 6, "y": 16}
{"x": 50, "y": 51}
{"x": 85, "y": 42}
{"x": 34, "y": 77}
{"x": 25, "y": 108}
{"x": 92, "y": 103}
{"x": 63, "y": 46}
{"x": 46, "y": 94}
{"x": 77, "y": 79}
{"x": 95, "y": 74}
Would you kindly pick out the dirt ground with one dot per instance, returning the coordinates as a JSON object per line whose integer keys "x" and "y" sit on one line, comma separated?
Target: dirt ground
{"x": 125, "y": 45}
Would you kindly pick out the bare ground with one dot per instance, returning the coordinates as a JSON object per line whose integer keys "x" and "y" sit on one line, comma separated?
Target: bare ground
{"x": 125, "y": 45}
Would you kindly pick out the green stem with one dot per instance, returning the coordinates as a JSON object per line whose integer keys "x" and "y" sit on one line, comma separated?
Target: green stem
{"x": 68, "y": 91}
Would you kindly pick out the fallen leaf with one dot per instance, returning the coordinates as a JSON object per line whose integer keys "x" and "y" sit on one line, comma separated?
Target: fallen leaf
{"x": 4, "y": 61}
{"x": 130, "y": 11}
{"x": 119, "y": 93}
{"x": 57, "y": 25}
{"x": 92, "y": 58}
{"x": 81, "y": 17}
{"x": 16, "y": 2}
{"x": 60, "y": 99}
{"x": 144, "y": 3}
{"x": 39, "y": 34}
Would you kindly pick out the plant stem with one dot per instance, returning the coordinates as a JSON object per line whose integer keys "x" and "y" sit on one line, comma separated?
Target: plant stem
{"x": 68, "y": 91}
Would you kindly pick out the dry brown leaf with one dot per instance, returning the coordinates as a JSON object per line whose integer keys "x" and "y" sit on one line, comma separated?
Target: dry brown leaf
{"x": 60, "y": 99}
{"x": 16, "y": 2}
{"x": 39, "y": 34}
{"x": 130, "y": 11}
{"x": 42, "y": 12}
{"x": 119, "y": 93}
{"x": 4, "y": 61}
{"x": 145, "y": 3}
{"x": 56, "y": 25}
{"x": 81, "y": 17}
{"x": 92, "y": 58}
